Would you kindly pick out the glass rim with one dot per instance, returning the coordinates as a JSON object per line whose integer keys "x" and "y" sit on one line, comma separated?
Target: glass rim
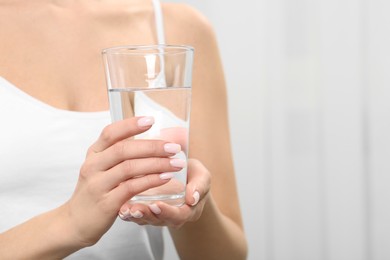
{"x": 143, "y": 49}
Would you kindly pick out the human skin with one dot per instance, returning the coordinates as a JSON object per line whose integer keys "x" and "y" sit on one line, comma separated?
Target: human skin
{"x": 73, "y": 79}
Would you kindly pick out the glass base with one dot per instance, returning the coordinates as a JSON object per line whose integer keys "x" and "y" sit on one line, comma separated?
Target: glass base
{"x": 171, "y": 199}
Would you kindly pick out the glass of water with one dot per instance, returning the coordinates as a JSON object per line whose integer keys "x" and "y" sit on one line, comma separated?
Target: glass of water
{"x": 154, "y": 80}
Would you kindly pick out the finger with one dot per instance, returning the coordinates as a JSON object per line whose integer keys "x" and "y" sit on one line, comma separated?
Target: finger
{"x": 198, "y": 183}
{"x": 128, "y": 189}
{"x": 173, "y": 216}
{"x": 128, "y": 212}
{"x": 138, "y": 221}
{"x": 139, "y": 213}
{"x": 120, "y": 130}
{"x": 177, "y": 135}
{"x": 157, "y": 214}
{"x": 139, "y": 167}
{"x": 130, "y": 149}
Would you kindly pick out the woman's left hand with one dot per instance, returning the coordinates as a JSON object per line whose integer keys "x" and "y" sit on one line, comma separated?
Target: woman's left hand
{"x": 162, "y": 214}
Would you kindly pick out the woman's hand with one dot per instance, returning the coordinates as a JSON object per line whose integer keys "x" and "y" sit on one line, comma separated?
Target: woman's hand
{"x": 162, "y": 214}
{"x": 106, "y": 179}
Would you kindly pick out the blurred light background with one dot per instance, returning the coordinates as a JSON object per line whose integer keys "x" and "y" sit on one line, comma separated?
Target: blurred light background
{"x": 309, "y": 101}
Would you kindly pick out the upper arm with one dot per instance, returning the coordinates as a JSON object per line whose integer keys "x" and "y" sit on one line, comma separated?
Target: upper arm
{"x": 209, "y": 128}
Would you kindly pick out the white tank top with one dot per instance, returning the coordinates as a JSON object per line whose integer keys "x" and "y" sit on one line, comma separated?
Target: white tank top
{"x": 41, "y": 151}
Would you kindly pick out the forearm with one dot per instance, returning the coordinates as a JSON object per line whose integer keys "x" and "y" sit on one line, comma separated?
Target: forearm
{"x": 213, "y": 236}
{"x": 47, "y": 236}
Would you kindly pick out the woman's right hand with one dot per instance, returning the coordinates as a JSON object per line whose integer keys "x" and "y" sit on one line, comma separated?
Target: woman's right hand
{"x": 115, "y": 169}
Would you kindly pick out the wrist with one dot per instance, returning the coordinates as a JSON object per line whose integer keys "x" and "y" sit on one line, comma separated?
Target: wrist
{"x": 46, "y": 236}
{"x": 68, "y": 229}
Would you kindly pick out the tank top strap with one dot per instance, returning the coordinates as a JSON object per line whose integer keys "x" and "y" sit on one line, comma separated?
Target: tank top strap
{"x": 159, "y": 21}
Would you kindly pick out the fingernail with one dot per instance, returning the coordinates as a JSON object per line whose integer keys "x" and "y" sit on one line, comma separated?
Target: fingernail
{"x": 155, "y": 209}
{"x": 172, "y": 148}
{"x": 145, "y": 121}
{"x": 137, "y": 214}
{"x": 180, "y": 163}
{"x": 166, "y": 175}
{"x": 124, "y": 214}
{"x": 196, "y": 197}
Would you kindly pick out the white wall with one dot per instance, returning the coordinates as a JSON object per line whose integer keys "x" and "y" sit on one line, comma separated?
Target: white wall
{"x": 309, "y": 96}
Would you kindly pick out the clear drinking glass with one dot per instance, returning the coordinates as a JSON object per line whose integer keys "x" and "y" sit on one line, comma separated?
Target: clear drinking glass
{"x": 154, "y": 80}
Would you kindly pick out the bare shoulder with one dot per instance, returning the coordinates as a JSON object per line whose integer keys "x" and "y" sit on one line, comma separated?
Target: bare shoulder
{"x": 185, "y": 13}
{"x": 185, "y": 23}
